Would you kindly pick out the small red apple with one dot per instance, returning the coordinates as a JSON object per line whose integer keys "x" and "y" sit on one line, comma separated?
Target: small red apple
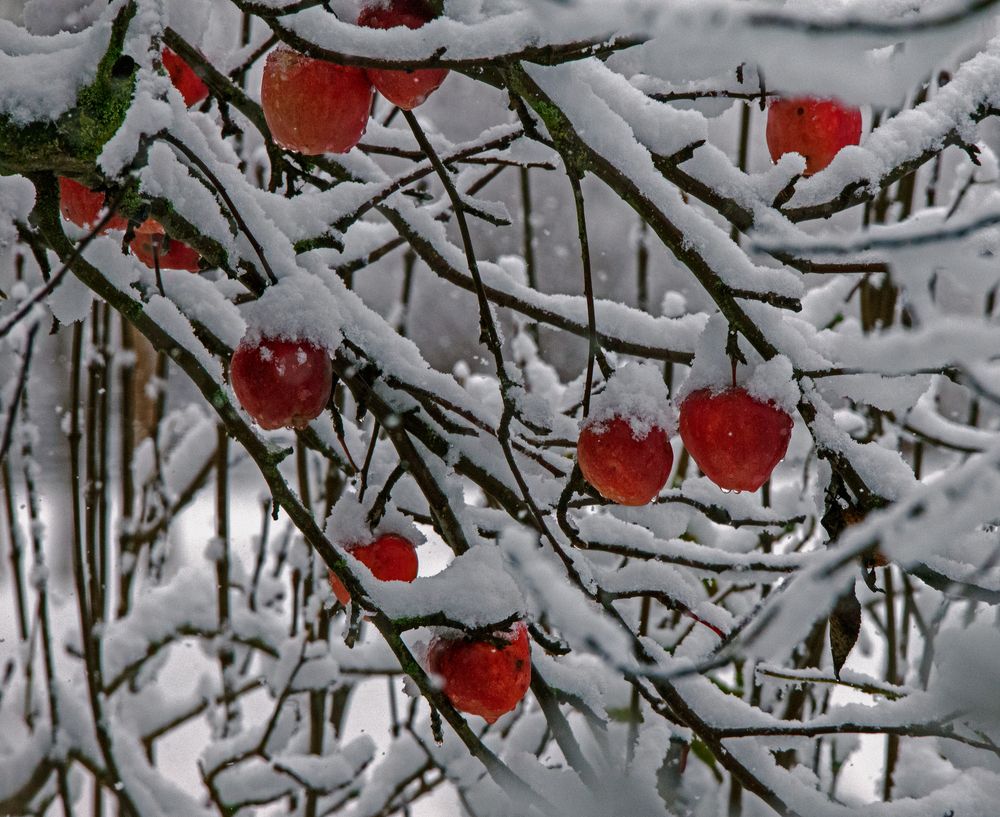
{"x": 281, "y": 382}
{"x": 390, "y": 558}
{"x": 624, "y": 468}
{"x": 314, "y": 106}
{"x": 184, "y": 78}
{"x": 407, "y": 89}
{"x": 480, "y": 678}
{"x": 84, "y": 206}
{"x": 170, "y": 253}
{"x": 735, "y": 438}
{"x": 815, "y": 128}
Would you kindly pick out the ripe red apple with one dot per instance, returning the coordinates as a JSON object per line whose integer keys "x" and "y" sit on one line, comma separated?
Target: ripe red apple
{"x": 281, "y": 382}
{"x": 170, "y": 253}
{"x": 314, "y": 106}
{"x": 390, "y": 558}
{"x": 815, "y": 128}
{"x": 480, "y": 678}
{"x": 735, "y": 438}
{"x": 83, "y": 206}
{"x": 184, "y": 78}
{"x": 624, "y": 468}
{"x": 407, "y": 89}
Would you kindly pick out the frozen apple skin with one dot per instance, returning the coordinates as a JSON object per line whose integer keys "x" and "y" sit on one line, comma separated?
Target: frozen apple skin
{"x": 815, "y": 128}
{"x": 480, "y": 678}
{"x": 184, "y": 78}
{"x": 407, "y": 89}
{"x": 623, "y": 468}
{"x": 170, "y": 253}
{"x": 736, "y": 439}
{"x": 314, "y": 106}
{"x": 390, "y": 558}
{"x": 84, "y": 207}
{"x": 281, "y": 383}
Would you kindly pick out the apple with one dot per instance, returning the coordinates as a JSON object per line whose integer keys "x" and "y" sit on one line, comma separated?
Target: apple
{"x": 281, "y": 383}
{"x": 390, "y": 558}
{"x": 735, "y": 438}
{"x": 170, "y": 253}
{"x": 314, "y": 106}
{"x": 84, "y": 206}
{"x": 184, "y": 78}
{"x": 624, "y": 467}
{"x": 407, "y": 89}
{"x": 815, "y": 128}
{"x": 480, "y": 678}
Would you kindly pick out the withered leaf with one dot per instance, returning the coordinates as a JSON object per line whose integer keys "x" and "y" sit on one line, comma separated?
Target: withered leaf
{"x": 845, "y": 627}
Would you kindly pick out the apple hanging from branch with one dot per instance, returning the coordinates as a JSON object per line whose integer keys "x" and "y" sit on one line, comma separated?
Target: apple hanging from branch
{"x": 478, "y": 676}
{"x": 407, "y": 89}
{"x": 736, "y": 439}
{"x": 815, "y": 128}
{"x": 390, "y": 558}
{"x": 314, "y": 106}
{"x": 624, "y": 465}
{"x": 281, "y": 383}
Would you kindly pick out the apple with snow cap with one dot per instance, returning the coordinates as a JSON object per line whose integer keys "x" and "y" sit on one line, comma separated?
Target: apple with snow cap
{"x": 478, "y": 676}
{"x": 815, "y": 128}
{"x": 314, "y": 106}
{"x": 281, "y": 382}
{"x": 407, "y": 89}
{"x": 390, "y": 558}
{"x": 735, "y": 438}
{"x": 624, "y": 446}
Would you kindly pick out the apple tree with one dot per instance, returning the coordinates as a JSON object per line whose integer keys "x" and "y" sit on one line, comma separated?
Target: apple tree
{"x": 529, "y": 407}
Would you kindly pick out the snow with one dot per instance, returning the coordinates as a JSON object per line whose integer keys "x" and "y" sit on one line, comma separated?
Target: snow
{"x": 636, "y": 393}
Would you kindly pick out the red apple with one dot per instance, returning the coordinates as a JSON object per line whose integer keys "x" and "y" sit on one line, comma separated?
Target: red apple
{"x": 624, "y": 468}
{"x": 480, "y": 678}
{"x": 407, "y": 89}
{"x": 390, "y": 558}
{"x": 815, "y": 128}
{"x": 314, "y": 106}
{"x": 170, "y": 253}
{"x": 184, "y": 78}
{"x": 735, "y": 438}
{"x": 84, "y": 206}
{"x": 281, "y": 382}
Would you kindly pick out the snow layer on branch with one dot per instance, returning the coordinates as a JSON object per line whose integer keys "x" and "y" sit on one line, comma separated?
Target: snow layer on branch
{"x": 297, "y": 308}
{"x": 768, "y": 381}
{"x": 40, "y": 76}
{"x": 474, "y": 589}
{"x": 636, "y": 393}
{"x": 601, "y": 105}
{"x": 839, "y": 56}
{"x": 157, "y": 614}
{"x": 911, "y": 132}
{"x": 348, "y": 525}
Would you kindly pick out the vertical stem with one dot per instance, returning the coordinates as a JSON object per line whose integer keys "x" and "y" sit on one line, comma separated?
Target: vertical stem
{"x": 126, "y": 561}
{"x": 528, "y": 241}
{"x": 222, "y": 570}
{"x": 642, "y": 268}
{"x": 15, "y": 552}
{"x": 409, "y": 263}
{"x": 742, "y": 153}
{"x": 634, "y": 712}
{"x": 588, "y": 288}
{"x": 92, "y": 480}
{"x": 892, "y": 677}
{"x": 103, "y": 426}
